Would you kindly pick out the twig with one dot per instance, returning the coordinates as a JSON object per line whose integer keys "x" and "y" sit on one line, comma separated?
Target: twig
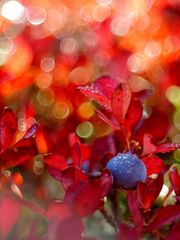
{"x": 35, "y": 208}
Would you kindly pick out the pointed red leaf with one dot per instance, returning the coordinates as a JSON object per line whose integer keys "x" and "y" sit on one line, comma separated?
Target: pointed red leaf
{"x": 135, "y": 211}
{"x": 167, "y": 147}
{"x": 109, "y": 121}
{"x": 95, "y": 94}
{"x": 133, "y": 115}
{"x": 174, "y": 232}
{"x": 106, "y": 85}
{"x": 175, "y": 180}
{"x": 72, "y": 175}
{"x": 101, "y": 91}
{"x": 154, "y": 164}
{"x": 8, "y": 127}
{"x": 149, "y": 191}
{"x": 165, "y": 215}
{"x": 120, "y": 101}
{"x": 148, "y": 145}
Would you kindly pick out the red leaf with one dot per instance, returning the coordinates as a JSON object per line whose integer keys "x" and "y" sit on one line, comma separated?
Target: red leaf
{"x": 9, "y": 213}
{"x": 120, "y": 101}
{"x": 175, "y": 180}
{"x": 167, "y": 147}
{"x": 55, "y": 161}
{"x": 165, "y": 215}
{"x": 75, "y": 150}
{"x": 86, "y": 197}
{"x": 148, "y": 145}
{"x": 96, "y": 95}
{"x": 55, "y": 173}
{"x": 89, "y": 199}
{"x": 109, "y": 121}
{"x": 72, "y": 175}
{"x": 8, "y": 127}
{"x": 73, "y": 191}
{"x": 106, "y": 85}
{"x": 106, "y": 181}
{"x": 127, "y": 232}
{"x": 154, "y": 164}
{"x": 135, "y": 211}
{"x": 15, "y": 157}
{"x": 101, "y": 91}
{"x": 133, "y": 115}
{"x": 99, "y": 147}
{"x": 174, "y": 233}
{"x": 149, "y": 191}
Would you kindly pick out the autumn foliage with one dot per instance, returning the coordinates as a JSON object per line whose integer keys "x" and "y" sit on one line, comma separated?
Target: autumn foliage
{"x": 89, "y": 120}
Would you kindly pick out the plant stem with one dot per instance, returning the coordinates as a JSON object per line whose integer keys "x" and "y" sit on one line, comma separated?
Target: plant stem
{"x": 35, "y": 208}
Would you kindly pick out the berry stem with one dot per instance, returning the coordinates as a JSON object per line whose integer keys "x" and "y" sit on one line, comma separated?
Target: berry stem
{"x": 35, "y": 208}
{"x": 109, "y": 219}
{"x": 115, "y": 208}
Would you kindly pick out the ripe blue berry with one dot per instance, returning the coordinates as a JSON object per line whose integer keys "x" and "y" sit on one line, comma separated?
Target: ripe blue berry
{"x": 127, "y": 169}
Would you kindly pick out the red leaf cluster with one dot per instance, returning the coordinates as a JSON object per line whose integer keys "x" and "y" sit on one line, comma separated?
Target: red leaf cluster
{"x": 83, "y": 192}
{"x": 14, "y": 152}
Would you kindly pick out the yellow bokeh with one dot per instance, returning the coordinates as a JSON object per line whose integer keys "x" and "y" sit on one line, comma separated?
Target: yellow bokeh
{"x": 86, "y": 110}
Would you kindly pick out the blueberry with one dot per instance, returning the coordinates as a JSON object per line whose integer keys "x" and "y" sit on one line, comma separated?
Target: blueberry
{"x": 85, "y": 166}
{"x": 90, "y": 172}
{"x": 127, "y": 169}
